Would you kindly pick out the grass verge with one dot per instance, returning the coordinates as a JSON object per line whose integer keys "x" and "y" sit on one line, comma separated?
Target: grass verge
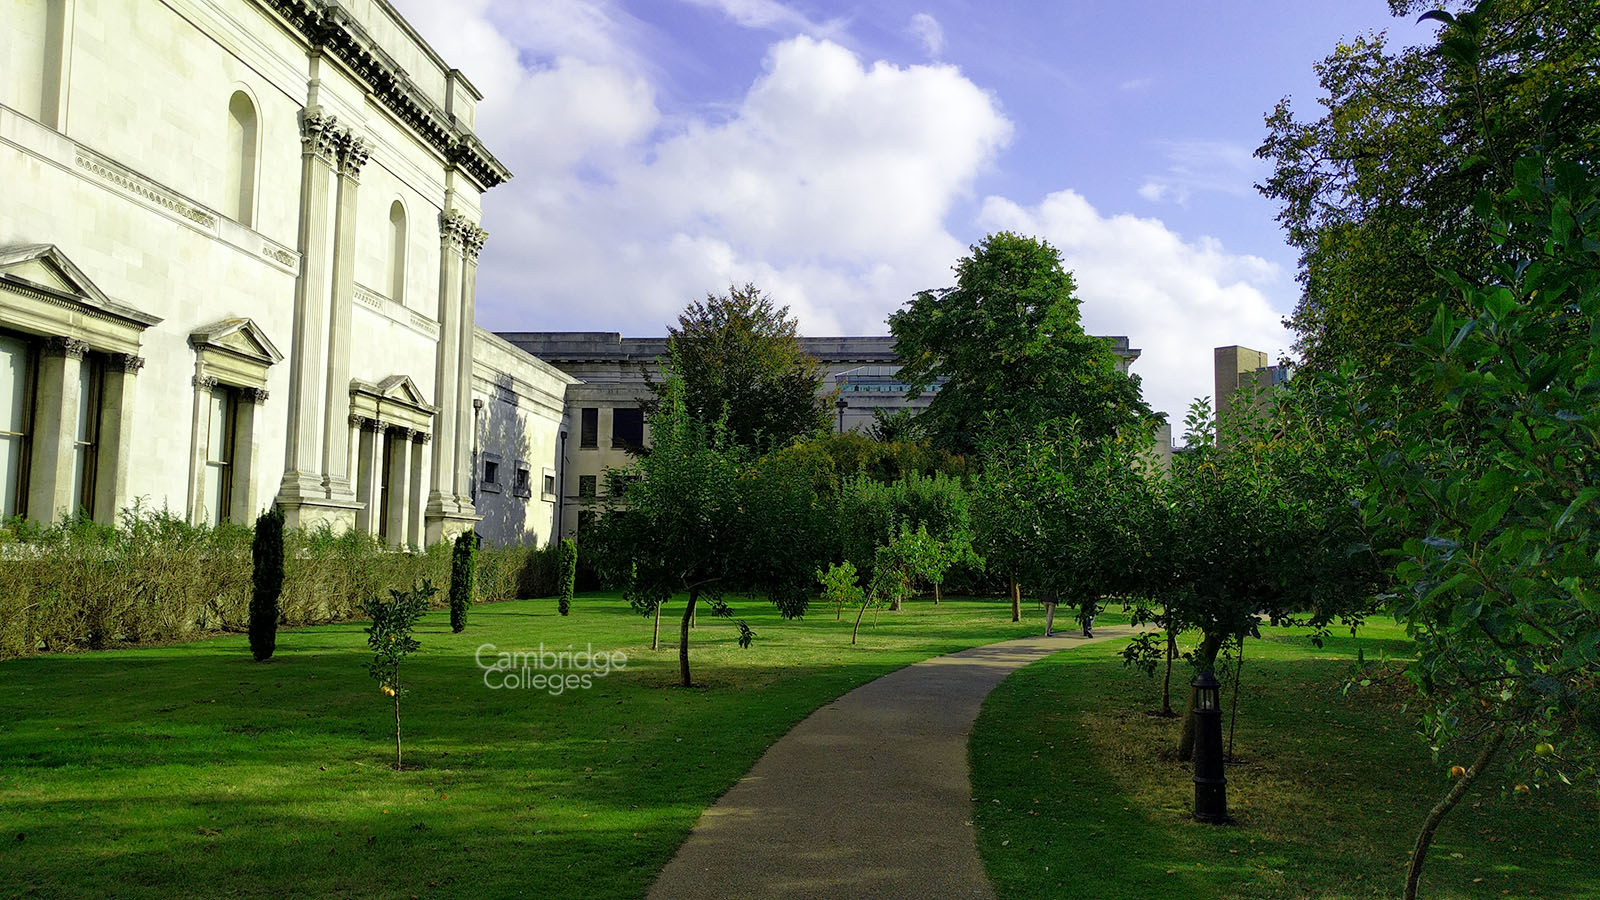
{"x": 1078, "y": 792}
{"x": 188, "y": 770}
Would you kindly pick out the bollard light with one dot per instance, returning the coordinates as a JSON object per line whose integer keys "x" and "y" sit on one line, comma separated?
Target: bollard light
{"x": 1210, "y": 780}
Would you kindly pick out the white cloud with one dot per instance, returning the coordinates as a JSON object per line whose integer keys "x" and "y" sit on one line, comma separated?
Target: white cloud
{"x": 771, "y": 15}
{"x": 926, "y": 29}
{"x": 1176, "y": 299}
{"x": 1197, "y": 166}
{"x": 1136, "y": 84}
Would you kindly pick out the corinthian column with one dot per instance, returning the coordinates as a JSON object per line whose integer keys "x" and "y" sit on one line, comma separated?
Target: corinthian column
{"x": 442, "y": 503}
{"x": 321, "y": 136}
{"x": 472, "y": 245}
{"x": 353, "y": 152}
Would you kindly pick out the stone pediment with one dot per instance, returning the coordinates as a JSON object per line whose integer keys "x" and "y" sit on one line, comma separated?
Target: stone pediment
{"x": 394, "y": 401}
{"x": 44, "y": 272}
{"x": 239, "y": 336}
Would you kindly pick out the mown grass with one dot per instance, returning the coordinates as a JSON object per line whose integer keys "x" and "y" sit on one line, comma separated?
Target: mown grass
{"x": 1078, "y": 792}
{"x": 188, "y": 770}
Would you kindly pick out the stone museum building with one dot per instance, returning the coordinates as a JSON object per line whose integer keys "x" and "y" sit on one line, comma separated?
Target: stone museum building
{"x": 239, "y": 244}
{"x": 238, "y": 252}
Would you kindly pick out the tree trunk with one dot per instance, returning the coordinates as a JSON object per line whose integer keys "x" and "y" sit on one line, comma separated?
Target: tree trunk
{"x": 857, "y": 630}
{"x": 655, "y": 632}
{"x": 397, "y": 720}
{"x": 1016, "y": 601}
{"x": 1049, "y": 618}
{"x": 1233, "y": 717}
{"x": 1437, "y": 814}
{"x": 894, "y": 606}
{"x": 1166, "y": 686}
{"x": 838, "y": 612}
{"x": 683, "y": 637}
{"x": 936, "y": 593}
{"x": 1205, "y": 661}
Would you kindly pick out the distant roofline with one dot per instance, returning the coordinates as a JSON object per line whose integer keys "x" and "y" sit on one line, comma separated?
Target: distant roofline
{"x": 611, "y": 346}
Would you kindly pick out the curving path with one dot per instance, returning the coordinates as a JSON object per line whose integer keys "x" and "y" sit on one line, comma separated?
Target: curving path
{"x": 870, "y": 796}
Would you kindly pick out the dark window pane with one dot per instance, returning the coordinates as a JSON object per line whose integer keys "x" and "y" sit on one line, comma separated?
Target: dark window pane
{"x": 589, "y": 428}
{"x": 586, "y": 485}
{"x": 627, "y": 428}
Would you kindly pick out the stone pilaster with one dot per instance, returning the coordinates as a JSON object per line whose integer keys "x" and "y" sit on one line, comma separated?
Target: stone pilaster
{"x": 246, "y": 503}
{"x": 199, "y": 443}
{"x": 368, "y": 441}
{"x": 55, "y": 429}
{"x": 416, "y": 529}
{"x": 353, "y": 153}
{"x": 116, "y": 436}
{"x": 398, "y": 519}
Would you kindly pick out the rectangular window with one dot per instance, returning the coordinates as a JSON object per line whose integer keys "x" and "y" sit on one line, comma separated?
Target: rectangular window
{"x": 588, "y": 428}
{"x": 549, "y": 485}
{"x": 617, "y": 486}
{"x": 585, "y": 519}
{"x": 586, "y": 485}
{"x": 491, "y": 472}
{"x": 219, "y": 455}
{"x": 16, "y": 391}
{"x": 86, "y": 437}
{"x": 627, "y": 428}
{"x": 523, "y": 485}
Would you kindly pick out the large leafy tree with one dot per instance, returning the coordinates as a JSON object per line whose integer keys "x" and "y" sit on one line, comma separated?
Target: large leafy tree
{"x": 741, "y": 362}
{"x": 699, "y": 515}
{"x": 1377, "y": 192}
{"x": 1008, "y": 350}
{"x": 1489, "y": 493}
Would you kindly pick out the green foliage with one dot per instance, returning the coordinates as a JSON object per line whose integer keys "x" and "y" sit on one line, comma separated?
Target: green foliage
{"x": 266, "y": 556}
{"x": 851, "y": 454}
{"x": 1070, "y": 518}
{"x": 740, "y": 361}
{"x": 463, "y": 577}
{"x": 872, "y": 514}
{"x": 1377, "y": 193}
{"x": 389, "y": 638}
{"x": 1486, "y": 493}
{"x": 517, "y": 571}
{"x": 156, "y": 578}
{"x": 566, "y": 574}
{"x": 839, "y": 585}
{"x": 705, "y": 519}
{"x": 1008, "y": 340}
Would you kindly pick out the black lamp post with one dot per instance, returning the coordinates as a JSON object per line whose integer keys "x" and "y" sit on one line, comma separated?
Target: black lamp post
{"x": 841, "y": 406}
{"x": 1210, "y": 781}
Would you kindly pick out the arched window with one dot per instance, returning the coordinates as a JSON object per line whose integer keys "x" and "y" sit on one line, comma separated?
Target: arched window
{"x": 239, "y": 190}
{"x": 397, "y": 252}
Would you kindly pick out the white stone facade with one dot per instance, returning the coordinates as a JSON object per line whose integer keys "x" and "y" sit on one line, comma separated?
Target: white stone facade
{"x": 238, "y": 252}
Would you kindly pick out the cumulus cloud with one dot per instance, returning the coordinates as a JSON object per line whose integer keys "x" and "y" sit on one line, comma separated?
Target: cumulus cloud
{"x": 1176, "y": 299}
{"x": 927, "y": 30}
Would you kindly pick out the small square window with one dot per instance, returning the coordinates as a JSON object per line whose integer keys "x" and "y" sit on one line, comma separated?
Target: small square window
{"x": 491, "y": 473}
{"x": 523, "y": 485}
{"x": 586, "y": 485}
{"x": 549, "y": 484}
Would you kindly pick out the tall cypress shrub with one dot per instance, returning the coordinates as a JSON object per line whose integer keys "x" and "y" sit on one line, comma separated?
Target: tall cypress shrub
{"x": 566, "y": 574}
{"x": 266, "y": 556}
{"x": 463, "y": 563}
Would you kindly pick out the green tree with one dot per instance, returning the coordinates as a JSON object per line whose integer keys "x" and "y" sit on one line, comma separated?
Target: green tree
{"x": 740, "y": 360}
{"x": 1377, "y": 193}
{"x": 1263, "y": 525}
{"x": 389, "y": 638}
{"x": 566, "y": 574}
{"x": 463, "y": 566}
{"x": 702, "y": 517}
{"x": 266, "y": 554}
{"x": 1010, "y": 346}
{"x": 1486, "y": 492}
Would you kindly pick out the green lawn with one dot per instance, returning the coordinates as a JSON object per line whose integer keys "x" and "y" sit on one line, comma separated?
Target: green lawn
{"x": 1079, "y": 794}
{"x": 189, "y": 770}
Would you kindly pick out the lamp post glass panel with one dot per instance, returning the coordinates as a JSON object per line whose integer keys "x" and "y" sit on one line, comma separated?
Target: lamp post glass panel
{"x": 1210, "y": 781}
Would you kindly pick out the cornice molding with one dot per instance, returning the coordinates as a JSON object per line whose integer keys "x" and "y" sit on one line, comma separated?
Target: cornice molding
{"x": 329, "y": 27}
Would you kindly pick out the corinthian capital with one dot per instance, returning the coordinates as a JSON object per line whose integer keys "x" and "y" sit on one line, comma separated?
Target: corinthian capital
{"x": 454, "y": 231}
{"x": 321, "y": 135}
{"x": 353, "y": 153}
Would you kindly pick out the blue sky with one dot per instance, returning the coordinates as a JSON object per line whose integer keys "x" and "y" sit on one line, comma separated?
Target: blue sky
{"x": 842, "y": 156}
